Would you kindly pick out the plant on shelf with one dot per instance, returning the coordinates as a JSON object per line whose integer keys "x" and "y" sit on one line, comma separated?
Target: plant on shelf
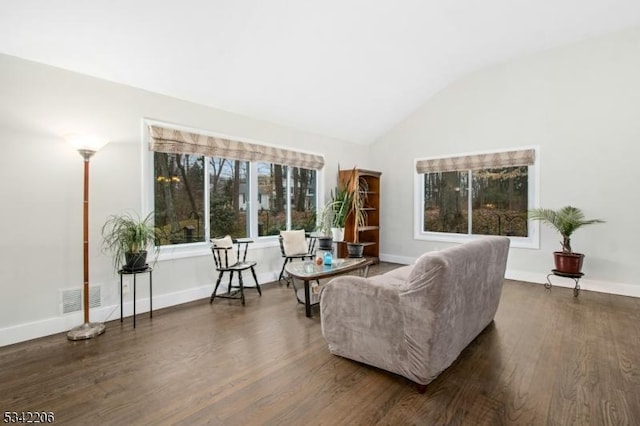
{"x": 127, "y": 237}
{"x": 356, "y": 196}
{"x": 334, "y": 215}
{"x": 338, "y": 206}
{"x": 326, "y": 226}
{"x": 566, "y": 221}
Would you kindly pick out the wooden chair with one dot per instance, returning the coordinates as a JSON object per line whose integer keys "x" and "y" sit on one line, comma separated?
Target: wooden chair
{"x": 229, "y": 260}
{"x": 295, "y": 245}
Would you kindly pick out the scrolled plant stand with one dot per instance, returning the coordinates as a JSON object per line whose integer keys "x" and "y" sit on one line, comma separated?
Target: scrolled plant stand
{"x": 575, "y": 277}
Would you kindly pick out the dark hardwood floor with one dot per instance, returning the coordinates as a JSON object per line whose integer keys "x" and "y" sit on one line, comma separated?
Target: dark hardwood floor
{"x": 548, "y": 358}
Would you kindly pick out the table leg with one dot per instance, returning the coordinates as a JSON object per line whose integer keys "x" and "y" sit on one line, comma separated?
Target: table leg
{"x": 307, "y": 299}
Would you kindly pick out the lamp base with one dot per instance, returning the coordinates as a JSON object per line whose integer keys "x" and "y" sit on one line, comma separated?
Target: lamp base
{"x": 87, "y": 330}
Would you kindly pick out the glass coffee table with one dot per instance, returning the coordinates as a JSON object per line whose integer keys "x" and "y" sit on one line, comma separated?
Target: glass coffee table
{"x": 308, "y": 271}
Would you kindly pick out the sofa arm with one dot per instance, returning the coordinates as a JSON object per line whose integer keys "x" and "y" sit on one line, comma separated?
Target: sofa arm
{"x": 361, "y": 320}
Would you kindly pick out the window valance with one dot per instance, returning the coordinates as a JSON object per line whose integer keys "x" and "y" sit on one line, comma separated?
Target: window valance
{"x": 492, "y": 160}
{"x": 171, "y": 141}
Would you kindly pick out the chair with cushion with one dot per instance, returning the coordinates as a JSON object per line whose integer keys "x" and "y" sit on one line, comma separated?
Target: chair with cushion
{"x": 294, "y": 245}
{"x": 230, "y": 255}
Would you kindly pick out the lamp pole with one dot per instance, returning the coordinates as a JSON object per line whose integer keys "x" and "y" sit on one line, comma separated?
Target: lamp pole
{"x": 86, "y": 330}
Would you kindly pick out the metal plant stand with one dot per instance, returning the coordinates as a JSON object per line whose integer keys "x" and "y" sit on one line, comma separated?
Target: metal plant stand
{"x": 574, "y": 277}
{"x": 124, "y": 271}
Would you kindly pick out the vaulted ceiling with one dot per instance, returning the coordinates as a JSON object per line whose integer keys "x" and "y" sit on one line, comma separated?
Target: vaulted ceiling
{"x": 350, "y": 69}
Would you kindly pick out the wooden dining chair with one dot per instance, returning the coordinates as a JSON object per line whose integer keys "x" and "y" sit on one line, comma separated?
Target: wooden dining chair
{"x": 230, "y": 255}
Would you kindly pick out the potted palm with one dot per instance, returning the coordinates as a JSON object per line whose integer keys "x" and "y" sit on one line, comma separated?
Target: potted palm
{"x": 566, "y": 221}
{"x": 127, "y": 237}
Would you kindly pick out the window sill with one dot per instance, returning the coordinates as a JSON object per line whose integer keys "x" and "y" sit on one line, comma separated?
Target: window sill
{"x": 183, "y": 251}
{"x": 516, "y": 242}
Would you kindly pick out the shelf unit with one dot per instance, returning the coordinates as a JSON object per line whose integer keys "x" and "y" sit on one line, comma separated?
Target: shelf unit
{"x": 369, "y": 235}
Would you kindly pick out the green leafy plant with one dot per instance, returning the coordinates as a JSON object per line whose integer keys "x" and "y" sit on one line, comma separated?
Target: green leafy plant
{"x": 325, "y": 222}
{"x": 334, "y": 212}
{"x": 339, "y": 207}
{"x": 127, "y": 233}
{"x": 566, "y": 221}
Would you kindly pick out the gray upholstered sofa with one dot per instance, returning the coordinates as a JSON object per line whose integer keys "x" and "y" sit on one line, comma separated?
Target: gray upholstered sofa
{"x": 416, "y": 320}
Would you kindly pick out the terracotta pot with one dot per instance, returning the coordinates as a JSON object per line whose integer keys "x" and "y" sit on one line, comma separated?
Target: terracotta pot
{"x": 569, "y": 263}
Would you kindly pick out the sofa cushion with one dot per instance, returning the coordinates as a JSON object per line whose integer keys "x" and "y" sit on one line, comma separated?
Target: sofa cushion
{"x": 402, "y": 273}
{"x": 388, "y": 280}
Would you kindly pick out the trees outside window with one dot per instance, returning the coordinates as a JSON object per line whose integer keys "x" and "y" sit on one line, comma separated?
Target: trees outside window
{"x": 228, "y": 197}
{"x": 276, "y": 208}
{"x": 491, "y": 201}
{"x": 303, "y": 199}
{"x": 446, "y": 202}
{"x": 193, "y": 193}
{"x": 179, "y": 197}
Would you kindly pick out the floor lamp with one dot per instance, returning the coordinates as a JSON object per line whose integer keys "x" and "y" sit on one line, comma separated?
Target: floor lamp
{"x": 86, "y": 146}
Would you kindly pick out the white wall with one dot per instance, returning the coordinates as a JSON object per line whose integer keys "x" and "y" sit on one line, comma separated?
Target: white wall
{"x": 41, "y": 190}
{"x": 578, "y": 103}
{"x": 581, "y": 105}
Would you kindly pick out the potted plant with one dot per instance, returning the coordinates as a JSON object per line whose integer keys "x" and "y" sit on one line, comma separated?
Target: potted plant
{"x": 339, "y": 208}
{"x": 127, "y": 237}
{"x": 323, "y": 228}
{"x": 332, "y": 218}
{"x": 355, "y": 197}
{"x": 566, "y": 221}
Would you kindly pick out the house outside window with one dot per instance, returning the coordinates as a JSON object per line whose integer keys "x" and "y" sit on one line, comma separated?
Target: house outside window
{"x": 228, "y": 183}
{"x": 460, "y": 197}
{"x": 198, "y": 197}
{"x": 277, "y": 211}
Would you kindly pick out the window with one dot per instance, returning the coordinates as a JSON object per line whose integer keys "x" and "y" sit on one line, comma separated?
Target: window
{"x": 179, "y": 197}
{"x": 228, "y": 185}
{"x": 198, "y": 196}
{"x": 480, "y": 194}
{"x": 276, "y": 208}
{"x": 446, "y": 202}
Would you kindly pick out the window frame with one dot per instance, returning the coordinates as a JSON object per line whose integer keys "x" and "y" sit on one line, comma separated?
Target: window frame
{"x": 533, "y": 185}
{"x": 202, "y": 248}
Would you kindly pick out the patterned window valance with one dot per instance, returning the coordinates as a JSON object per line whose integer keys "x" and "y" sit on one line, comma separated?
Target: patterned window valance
{"x": 167, "y": 140}
{"x": 493, "y": 160}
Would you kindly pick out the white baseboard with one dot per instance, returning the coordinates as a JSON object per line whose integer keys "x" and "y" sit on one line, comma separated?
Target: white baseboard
{"x": 620, "y": 289}
{"x": 403, "y": 260}
{"x": 48, "y": 326}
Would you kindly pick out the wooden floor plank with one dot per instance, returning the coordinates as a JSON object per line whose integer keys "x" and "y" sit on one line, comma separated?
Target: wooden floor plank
{"x": 548, "y": 358}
